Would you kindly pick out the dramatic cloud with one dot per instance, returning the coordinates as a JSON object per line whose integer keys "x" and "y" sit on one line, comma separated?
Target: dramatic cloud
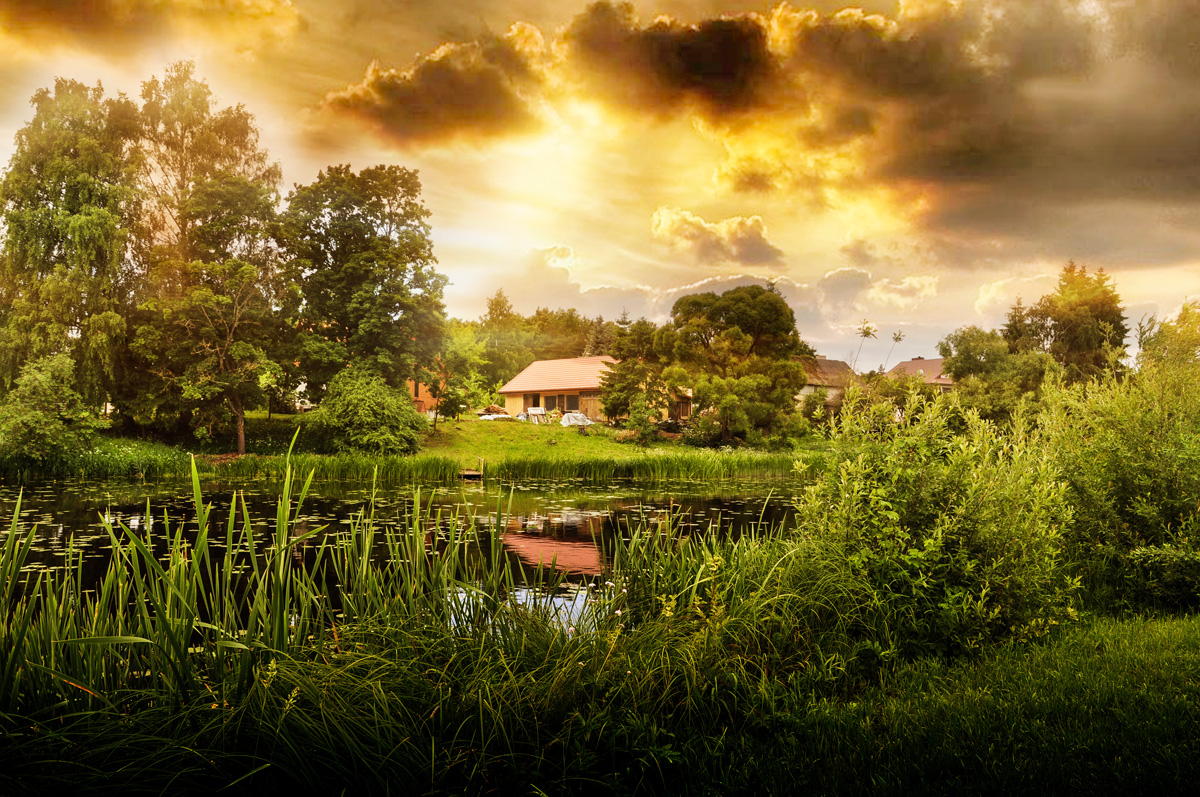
{"x": 474, "y": 90}
{"x": 113, "y": 25}
{"x": 738, "y": 240}
{"x": 719, "y": 67}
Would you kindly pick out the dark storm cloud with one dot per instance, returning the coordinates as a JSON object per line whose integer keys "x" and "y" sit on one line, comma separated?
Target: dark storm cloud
{"x": 720, "y": 67}
{"x": 471, "y": 90}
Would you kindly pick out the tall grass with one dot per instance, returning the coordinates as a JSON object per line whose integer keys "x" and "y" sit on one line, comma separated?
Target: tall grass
{"x": 700, "y": 465}
{"x": 407, "y": 659}
{"x": 436, "y": 469}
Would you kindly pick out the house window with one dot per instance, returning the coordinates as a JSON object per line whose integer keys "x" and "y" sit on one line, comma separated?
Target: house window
{"x": 533, "y": 399}
{"x": 573, "y": 403}
{"x": 416, "y": 389}
{"x": 551, "y": 402}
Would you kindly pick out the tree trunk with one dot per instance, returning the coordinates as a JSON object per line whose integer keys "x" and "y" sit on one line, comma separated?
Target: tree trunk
{"x": 235, "y": 403}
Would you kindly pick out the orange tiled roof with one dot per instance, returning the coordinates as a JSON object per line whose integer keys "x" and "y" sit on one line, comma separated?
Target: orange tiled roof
{"x": 930, "y": 370}
{"x": 574, "y": 373}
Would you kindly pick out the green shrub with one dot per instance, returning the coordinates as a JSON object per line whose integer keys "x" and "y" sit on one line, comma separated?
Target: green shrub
{"x": 43, "y": 423}
{"x": 1163, "y": 577}
{"x": 1129, "y": 448}
{"x": 360, "y": 412}
{"x": 958, "y": 534}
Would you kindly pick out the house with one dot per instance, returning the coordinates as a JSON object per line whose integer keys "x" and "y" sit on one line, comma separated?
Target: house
{"x": 832, "y": 376}
{"x": 422, "y": 401}
{"x": 569, "y": 385}
{"x": 930, "y": 371}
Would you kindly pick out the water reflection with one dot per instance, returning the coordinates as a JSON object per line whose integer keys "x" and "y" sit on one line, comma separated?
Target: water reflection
{"x": 563, "y": 525}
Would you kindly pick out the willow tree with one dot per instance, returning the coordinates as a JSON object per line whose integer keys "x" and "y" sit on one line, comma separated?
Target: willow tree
{"x": 70, "y": 204}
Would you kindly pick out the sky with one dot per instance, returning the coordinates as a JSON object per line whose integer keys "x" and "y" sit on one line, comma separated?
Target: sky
{"x": 914, "y": 164}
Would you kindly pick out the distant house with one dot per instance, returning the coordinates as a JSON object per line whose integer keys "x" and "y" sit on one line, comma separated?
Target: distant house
{"x": 832, "y": 376}
{"x": 930, "y": 371}
{"x": 570, "y": 385}
{"x": 422, "y": 401}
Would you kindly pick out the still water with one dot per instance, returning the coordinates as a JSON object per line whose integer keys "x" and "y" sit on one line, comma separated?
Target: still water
{"x": 539, "y": 522}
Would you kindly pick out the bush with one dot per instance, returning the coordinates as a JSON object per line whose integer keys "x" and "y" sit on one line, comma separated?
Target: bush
{"x": 1129, "y": 448}
{"x": 43, "y": 422}
{"x": 959, "y": 535}
{"x": 360, "y": 412}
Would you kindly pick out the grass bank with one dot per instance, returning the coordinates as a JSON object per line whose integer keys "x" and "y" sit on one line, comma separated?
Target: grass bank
{"x": 501, "y": 450}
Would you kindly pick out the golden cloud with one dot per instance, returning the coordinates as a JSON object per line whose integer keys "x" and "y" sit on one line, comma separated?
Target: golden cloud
{"x": 739, "y": 240}
{"x": 474, "y": 90}
{"x": 111, "y": 26}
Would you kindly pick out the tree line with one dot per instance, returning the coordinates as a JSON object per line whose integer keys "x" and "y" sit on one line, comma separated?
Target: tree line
{"x": 147, "y": 252}
{"x": 150, "y": 262}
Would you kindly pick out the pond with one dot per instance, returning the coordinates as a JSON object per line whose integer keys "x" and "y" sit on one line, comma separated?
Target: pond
{"x": 565, "y": 523}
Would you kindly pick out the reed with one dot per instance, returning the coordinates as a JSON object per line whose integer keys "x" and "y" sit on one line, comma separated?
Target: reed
{"x": 407, "y": 659}
{"x": 654, "y": 466}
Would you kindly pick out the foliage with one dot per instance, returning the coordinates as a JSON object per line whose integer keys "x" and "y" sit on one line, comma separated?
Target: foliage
{"x": 960, "y": 537}
{"x": 637, "y": 376}
{"x": 989, "y": 377}
{"x": 1129, "y": 448}
{"x": 740, "y": 355}
{"x": 643, "y": 420}
{"x": 209, "y": 324}
{"x": 360, "y": 242}
{"x": 361, "y": 412}
{"x": 191, "y": 149}
{"x": 70, "y": 204}
{"x": 211, "y": 340}
{"x": 43, "y": 422}
{"x": 1080, "y": 324}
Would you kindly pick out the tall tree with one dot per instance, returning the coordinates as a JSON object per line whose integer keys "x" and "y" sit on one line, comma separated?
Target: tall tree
{"x": 360, "y": 244}
{"x": 508, "y": 341}
{"x": 741, "y": 355}
{"x": 212, "y": 324}
{"x": 641, "y": 355}
{"x": 1080, "y": 324}
{"x": 70, "y": 205}
{"x": 189, "y": 141}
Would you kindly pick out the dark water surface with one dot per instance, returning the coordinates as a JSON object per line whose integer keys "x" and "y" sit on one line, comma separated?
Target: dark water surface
{"x": 540, "y": 522}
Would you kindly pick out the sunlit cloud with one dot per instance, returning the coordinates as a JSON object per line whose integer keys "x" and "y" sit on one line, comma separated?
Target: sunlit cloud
{"x": 740, "y": 240}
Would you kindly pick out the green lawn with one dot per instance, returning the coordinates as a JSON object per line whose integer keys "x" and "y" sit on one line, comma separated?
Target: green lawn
{"x": 469, "y": 439}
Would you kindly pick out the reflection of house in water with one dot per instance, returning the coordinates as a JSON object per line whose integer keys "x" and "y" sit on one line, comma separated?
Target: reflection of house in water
{"x": 568, "y": 540}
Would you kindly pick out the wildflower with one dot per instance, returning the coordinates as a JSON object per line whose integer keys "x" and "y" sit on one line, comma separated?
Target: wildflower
{"x": 618, "y": 612}
{"x": 570, "y": 629}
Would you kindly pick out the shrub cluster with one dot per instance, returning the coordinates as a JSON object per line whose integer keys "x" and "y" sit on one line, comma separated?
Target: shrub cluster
{"x": 361, "y": 412}
{"x": 1129, "y": 449}
{"x": 958, "y": 535}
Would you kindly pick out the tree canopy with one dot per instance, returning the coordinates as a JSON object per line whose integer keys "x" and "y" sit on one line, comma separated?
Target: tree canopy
{"x": 1079, "y": 324}
{"x": 147, "y": 244}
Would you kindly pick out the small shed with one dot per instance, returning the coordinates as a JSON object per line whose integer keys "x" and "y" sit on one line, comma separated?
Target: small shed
{"x": 568, "y": 385}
